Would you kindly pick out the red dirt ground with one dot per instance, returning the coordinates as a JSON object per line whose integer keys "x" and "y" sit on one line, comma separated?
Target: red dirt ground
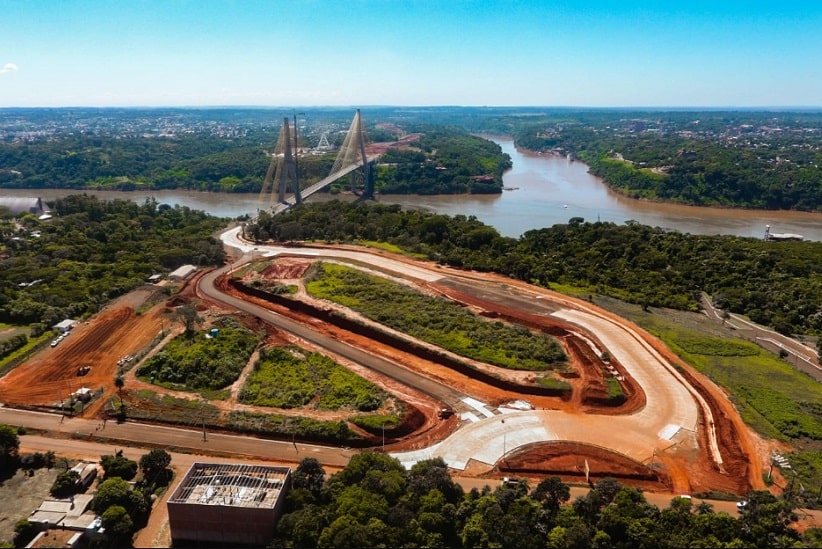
{"x": 48, "y": 378}
{"x": 117, "y": 331}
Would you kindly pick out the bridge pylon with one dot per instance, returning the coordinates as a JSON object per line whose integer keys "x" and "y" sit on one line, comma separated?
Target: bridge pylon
{"x": 351, "y": 159}
{"x": 351, "y": 152}
{"x": 282, "y": 168}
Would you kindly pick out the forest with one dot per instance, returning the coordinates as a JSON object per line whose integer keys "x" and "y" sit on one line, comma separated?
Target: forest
{"x": 375, "y": 502}
{"x": 727, "y": 158}
{"x": 92, "y": 251}
{"x": 196, "y": 156}
{"x": 443, "y": 161}
{"x": 778, "y": 284}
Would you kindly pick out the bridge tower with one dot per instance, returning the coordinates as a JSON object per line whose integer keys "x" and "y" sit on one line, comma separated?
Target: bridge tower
{"x": 353, "y": 151}
{"x": 283, "y": 167}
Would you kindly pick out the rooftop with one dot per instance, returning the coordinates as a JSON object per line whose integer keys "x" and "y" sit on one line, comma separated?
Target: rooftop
{"x": 235, "y": 485}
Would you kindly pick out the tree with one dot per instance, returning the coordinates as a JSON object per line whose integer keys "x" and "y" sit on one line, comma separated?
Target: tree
{"x": 551, "y": 493}
{"x": 309, "y": 475}
{"x": 117, "y": 522}
{"x": 188, "y": 316}
{"x": 66, "y": 484}
{"x": 154, "y": 466}
{"x": 24, "y": 532}
{"x": 118, "y": 466}
{"x": 113, "y": 491}
{"x": 119, "y": 383}
{"x": 9, "y": 449}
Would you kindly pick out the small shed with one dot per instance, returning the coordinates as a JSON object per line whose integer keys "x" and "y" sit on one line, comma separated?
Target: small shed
{"x": 65, "y": 325}
{"x": 181, "y": 273}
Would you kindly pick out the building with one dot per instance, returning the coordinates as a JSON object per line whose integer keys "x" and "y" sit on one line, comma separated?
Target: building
{"x": 64, "y": 325}
{"x": 21, "y": 205}
{"x": 181, "y": 273}
{"x": 228, "y": 503}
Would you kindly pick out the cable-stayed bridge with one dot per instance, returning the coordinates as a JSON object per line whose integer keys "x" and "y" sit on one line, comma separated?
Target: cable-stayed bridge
{"x": 281, "y": 187}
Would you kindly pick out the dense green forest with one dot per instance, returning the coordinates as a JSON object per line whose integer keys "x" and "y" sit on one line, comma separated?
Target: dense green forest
{"x": 375, "y": 502}
{"x": 92, "y": 251}
{"x": 774, "y": 283}
{"x": 443, "y": 161}
{"x": 229, "y": 155}
{"x": 741, "y": 158}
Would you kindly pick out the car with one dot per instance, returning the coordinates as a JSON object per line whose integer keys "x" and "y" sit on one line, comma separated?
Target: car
{"x": 55, "y": 342}
{"x": 741, "y": 505}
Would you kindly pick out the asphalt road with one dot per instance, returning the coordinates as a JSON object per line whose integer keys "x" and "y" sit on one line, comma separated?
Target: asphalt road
{"x": 433, "y": 388}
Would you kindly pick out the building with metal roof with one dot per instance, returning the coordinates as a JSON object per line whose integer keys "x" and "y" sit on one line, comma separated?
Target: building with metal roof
{"x": 228, "y": 503}
{"x": 22, "y": 204}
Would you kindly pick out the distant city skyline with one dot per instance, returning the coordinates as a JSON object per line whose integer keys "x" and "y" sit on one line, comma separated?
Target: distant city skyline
{"x": 147, "y": 53}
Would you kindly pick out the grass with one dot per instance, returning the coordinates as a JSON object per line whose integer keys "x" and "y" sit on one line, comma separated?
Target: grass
{"x": 436, "y": 320}
{"x": 289, "y": 377}
{"x": 393, "y": 248}
{"x": 294, "y": 426}
{"x": 773, "y": 397}
{"x": 146, "y": 404}
{"x": 193, "y": 362}
{"x": 16, "y": 357}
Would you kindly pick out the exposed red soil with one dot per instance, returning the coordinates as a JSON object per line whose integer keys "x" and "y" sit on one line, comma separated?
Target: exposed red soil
{"x": 117, "y": 331}
{"x": 568, "y": 461}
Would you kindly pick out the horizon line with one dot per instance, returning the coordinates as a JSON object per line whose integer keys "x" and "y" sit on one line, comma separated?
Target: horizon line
{"x": 442, "y": 106}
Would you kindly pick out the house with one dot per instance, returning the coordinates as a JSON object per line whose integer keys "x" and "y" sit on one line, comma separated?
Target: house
{"x": 67, "y": 519}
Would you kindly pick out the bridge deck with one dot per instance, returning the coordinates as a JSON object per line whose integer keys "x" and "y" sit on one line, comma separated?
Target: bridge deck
{"x": 308, "y": 191}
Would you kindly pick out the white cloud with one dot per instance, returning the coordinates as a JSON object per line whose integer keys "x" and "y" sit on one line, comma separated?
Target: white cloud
{"x": 8, "y": 67}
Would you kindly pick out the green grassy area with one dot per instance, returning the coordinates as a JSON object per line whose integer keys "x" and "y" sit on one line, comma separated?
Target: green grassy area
{"x": 773, "y": 397}
{"x": 436, "y": 320}
{"x": 393, "y": 248}
{"x": 11, "y": 360}
{"x": 289, "y": 377}
{"x": 296, "y": 426}
{"x": 148, "y": 405}
{"x": 376, "y": 423}
{"x": 195, "y": 362}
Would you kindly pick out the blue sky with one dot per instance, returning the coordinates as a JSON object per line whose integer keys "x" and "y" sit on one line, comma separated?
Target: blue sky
{"x": 719, "y": 53}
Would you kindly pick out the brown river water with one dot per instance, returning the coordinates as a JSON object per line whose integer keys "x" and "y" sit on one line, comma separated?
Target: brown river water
{"x": 544, "y": 190}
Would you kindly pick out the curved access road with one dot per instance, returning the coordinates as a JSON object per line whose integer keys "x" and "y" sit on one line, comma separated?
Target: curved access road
{"x": 670, "y": 416}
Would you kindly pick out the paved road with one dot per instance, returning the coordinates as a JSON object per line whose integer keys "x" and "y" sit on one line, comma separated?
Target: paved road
{"x": 405, "y": 376}
{"x": 673, "y": 406}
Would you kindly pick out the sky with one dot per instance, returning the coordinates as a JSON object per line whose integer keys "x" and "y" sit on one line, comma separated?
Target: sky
{"x": 654, "y": 53}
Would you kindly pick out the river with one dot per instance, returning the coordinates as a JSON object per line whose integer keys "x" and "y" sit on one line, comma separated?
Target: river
{"x": 545, "y": 190}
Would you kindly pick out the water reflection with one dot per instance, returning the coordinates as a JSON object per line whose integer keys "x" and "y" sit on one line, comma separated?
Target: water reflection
{"x": 547, "y": 190}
